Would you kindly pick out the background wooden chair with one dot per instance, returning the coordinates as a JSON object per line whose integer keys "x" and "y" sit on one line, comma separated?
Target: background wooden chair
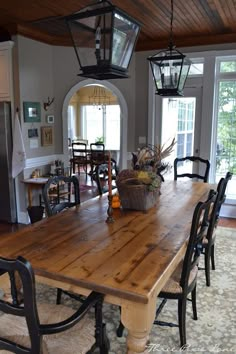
{"x": 80, "y": 157}
{"x": 213, "y": 218}
{"x": 59, "y": 193}
{"x": 97, "y": 156}
{"x": 201, "y": 163}
{"x": 38, "y": 328}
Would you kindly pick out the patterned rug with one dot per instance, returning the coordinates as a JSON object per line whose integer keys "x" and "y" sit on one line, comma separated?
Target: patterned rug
{"x": 213, "y": 332}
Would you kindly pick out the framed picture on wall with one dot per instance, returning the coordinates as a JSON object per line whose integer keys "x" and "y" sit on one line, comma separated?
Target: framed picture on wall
{"x": 32, "y": 112}
{"x": 46, "y": 136}
{"x": 50, "y": 119}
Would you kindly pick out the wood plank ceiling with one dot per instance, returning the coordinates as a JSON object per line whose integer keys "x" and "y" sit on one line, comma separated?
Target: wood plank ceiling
{"x": 196, "y": 22}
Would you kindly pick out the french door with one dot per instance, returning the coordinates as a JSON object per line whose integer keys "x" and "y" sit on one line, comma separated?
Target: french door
{"x": 224, "y": 159}
{"x": 181, "y": 119}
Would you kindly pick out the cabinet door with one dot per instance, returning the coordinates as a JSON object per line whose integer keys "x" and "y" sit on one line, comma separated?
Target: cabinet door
{"x": 5, "y": 74}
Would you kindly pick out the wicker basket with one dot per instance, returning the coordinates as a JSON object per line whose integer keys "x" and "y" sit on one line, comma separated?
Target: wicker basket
{"x": 137, "y": 197}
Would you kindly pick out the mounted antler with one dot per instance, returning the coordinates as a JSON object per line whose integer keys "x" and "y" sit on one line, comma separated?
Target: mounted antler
{"x": 47, "y": 104}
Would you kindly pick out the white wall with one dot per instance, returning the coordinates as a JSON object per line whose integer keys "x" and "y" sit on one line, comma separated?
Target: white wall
{"x": 35, "y": 85}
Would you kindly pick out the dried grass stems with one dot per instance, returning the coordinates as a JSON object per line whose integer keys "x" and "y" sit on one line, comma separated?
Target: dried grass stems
{"x": 153, "y": 155}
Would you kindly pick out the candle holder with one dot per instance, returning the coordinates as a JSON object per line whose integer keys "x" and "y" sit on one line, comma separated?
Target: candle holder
{"x": 109, "y": 210}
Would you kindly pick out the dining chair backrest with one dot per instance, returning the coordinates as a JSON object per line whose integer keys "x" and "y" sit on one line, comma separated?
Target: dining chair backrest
{"x": 79, "y": 150}
{"x": 59, "y": 193}
{"x": 221, "y": 189}
{"x": 21, "y": 330}
{"x": 80, "y": 157}
{"x": 79, "y": 141}
{"x": 205, "y": 164}
{"x": 101, "y": 176}
{"x": 29, "y": 310}
{"x": 97, "y": 155}
{"x": 97, "y": 151}
{"x": 194, "y": 247}
{"x": 211, "y": 223}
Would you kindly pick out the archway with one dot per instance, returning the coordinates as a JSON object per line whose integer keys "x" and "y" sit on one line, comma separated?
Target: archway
{"x": 123, "y": 117}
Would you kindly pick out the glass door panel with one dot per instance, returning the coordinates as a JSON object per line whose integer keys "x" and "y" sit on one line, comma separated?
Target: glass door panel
{"x": 181, "y": 119}
{"x": 226, "y": 134}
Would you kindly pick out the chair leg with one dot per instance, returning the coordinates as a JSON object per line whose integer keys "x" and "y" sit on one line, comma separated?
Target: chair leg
{"x": 120, "y": 329}
{"x": 102, "y": 341}
{"x": 59, "y": 293}
{"x": 207, "y": 265}
{"x": 194, "y": 302}
{"x": 182, "y": 321}
{"x": 213, "y": 257}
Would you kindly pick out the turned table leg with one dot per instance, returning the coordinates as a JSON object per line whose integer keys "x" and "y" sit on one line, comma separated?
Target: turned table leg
{"x": 138, "y": 320}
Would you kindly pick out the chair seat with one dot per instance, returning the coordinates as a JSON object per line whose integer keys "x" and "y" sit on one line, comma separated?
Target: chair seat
{"x": 79, "y": 339}
{"x": 172, "y": 286}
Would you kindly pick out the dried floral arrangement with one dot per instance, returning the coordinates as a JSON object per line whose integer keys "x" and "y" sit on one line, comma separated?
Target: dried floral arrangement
{"x": 139, "y": 177}
{"x": 151, "y": 158}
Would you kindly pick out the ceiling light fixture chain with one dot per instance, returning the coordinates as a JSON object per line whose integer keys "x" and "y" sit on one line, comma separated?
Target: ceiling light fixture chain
{"x": 171, "y": 45}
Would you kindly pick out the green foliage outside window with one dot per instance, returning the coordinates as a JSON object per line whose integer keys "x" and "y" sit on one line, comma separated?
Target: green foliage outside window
{"x": 226, "y": 134}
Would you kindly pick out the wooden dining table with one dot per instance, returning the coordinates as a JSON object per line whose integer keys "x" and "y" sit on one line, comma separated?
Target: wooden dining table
{"x": 129, "y": 260}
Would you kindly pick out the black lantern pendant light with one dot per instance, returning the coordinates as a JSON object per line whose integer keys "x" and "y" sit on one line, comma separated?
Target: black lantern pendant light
{"x": 170, "y": 68}
{"x": 103, "y": 38}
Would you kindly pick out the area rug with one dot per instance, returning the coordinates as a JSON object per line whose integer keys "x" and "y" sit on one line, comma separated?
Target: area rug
{"x": 213, "y": 332}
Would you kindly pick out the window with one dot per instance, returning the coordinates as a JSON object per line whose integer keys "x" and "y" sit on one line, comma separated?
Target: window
{"x": 226, "y": 129}
{"x": 186, "y": 112}
{"x": 228, "y": 66}
{"x": 102, "y": 123}
{"x": 225, "y": 116}
{"x": 71, "y": 122}
{"x": 180, "y": 145}
{"x": 197, "y": 67}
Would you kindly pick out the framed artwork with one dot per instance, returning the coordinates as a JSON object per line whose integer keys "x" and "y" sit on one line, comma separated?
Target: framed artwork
{"x": 32, "y": 112}
{"x": 33, "y": 133}
{"x": 50, "y": 119}
{"x": 46, "y": 136}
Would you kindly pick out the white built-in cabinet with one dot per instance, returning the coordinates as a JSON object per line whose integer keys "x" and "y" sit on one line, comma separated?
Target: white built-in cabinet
{"x": 6, "y": 88}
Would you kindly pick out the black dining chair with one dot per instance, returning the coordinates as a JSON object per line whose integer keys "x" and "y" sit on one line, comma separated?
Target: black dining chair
{"x": 212, "y": 222}
{"x": 33, "y": 327}
{"x": 59, "y": 194}
{"x": 101, "y": 176}
{"x": 204, "y": 164}
{"x": 97, "y": 156}
{"x": 184, "y": 279}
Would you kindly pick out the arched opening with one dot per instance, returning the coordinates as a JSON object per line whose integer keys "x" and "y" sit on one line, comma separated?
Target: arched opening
{"x": 123, "y": 117}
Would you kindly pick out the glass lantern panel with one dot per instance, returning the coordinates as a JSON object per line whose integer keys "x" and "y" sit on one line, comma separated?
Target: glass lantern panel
{"x": 123, "y": 41}
{"x": 92, "y": 38}
{"x": 156, "y": 69}
{"x": 184, "y": 74}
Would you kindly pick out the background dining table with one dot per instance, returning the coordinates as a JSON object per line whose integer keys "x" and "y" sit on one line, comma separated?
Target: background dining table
{"x": 129, "y": 260}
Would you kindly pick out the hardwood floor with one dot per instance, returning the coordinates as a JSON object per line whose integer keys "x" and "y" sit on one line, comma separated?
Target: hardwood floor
{"x": 227, "y": 222}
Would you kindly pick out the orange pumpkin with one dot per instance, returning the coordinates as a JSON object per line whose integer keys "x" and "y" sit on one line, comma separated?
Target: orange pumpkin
{"x": 115, "y": 201}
